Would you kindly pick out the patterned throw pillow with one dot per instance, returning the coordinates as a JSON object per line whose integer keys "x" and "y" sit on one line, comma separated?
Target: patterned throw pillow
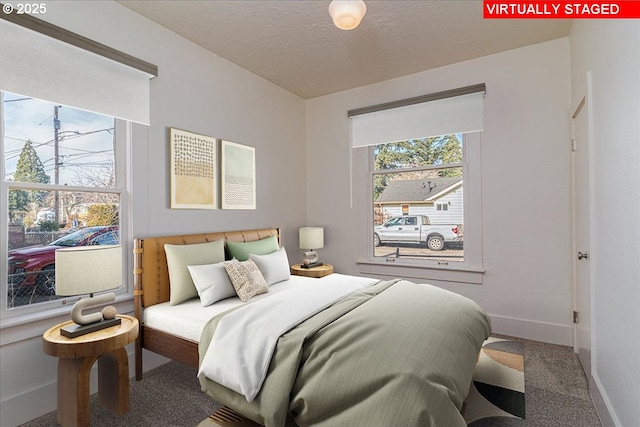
{"x": 246, "y": 278}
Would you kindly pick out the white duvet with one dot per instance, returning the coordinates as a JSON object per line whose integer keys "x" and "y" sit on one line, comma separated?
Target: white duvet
{"x": 240, "y": 351}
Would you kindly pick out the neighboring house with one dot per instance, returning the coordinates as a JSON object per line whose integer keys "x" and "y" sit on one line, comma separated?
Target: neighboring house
{"x": 441, "y": 199}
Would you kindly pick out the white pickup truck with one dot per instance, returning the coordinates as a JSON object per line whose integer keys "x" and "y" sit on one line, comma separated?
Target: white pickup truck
{"x": 417, "y": 229}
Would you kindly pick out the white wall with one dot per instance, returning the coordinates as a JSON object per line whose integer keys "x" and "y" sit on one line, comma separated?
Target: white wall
{"x": 610, "y": 50}
{"x": 195, "y": 91}
{"x": 525, "y": 182}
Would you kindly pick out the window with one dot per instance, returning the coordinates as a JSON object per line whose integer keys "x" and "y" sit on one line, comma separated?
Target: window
{"x": 62, "y": 169}
{"x": 421, "y": 213}
{"x": 427, "y": 173}
{"x": 63, "y": 178}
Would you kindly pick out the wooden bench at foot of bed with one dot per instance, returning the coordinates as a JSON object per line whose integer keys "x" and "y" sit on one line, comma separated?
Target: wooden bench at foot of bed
{"x": 151, "y": 286}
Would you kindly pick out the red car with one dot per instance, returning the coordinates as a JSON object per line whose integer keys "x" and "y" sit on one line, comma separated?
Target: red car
{"x": 35, "y": 265}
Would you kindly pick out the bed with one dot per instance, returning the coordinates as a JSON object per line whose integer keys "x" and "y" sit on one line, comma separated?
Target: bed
{"x": 366, "y": 352}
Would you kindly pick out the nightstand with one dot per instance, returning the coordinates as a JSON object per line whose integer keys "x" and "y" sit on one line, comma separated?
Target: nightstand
{"x": 320, "y": 271}
{"x": 77, "y": 356}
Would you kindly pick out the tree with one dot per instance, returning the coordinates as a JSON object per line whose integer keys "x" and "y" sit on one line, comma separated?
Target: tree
{"x": 105, "y": 214}
{"x": 433, "y": 151}
{"x": 28, "y": 169}
{"x": 439, "y": 150}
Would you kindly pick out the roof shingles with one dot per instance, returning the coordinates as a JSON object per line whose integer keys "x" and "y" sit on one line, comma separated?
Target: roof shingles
{"x": 417, "y": 190}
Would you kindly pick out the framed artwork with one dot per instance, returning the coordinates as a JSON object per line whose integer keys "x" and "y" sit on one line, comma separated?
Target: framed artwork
{"x": 238, "y": 175}
{"x": 193, "y": 170}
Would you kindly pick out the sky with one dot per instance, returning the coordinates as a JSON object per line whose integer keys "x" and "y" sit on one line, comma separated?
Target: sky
{"x": 85, "y": 139}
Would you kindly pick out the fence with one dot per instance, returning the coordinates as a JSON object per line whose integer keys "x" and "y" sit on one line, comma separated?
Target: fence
{"x": 20, "y": 236}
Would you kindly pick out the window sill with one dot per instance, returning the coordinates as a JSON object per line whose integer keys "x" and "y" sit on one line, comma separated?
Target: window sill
{"x": 413, "y": 271}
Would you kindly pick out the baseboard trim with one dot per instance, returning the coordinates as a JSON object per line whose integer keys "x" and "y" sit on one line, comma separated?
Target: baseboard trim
{"x": 602, "y": 404}
{"x": 552, "y": 333}
{"x": 19, "y": 409}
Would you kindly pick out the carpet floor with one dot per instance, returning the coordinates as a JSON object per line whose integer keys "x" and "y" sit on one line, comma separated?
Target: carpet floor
{"x": 556, "y": 393}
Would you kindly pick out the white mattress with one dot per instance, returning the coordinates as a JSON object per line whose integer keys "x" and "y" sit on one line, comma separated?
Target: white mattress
{"x": 187, "y": 320}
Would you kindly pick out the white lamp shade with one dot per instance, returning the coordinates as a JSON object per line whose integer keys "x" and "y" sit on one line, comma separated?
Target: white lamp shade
{"x": 311, "y": 238}
{"x": 347, "y": 14}
{"x": 88, "y": 269}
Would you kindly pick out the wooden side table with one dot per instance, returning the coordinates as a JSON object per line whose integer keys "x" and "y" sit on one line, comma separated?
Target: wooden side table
{"x": 320, "y": 271}
{"x": 77, "y": 356}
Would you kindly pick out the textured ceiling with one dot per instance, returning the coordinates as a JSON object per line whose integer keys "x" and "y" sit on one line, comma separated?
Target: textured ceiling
{"x": 295, "y": 45}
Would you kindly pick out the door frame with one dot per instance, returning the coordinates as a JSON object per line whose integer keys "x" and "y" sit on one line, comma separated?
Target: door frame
{"x": 584, "y": 101}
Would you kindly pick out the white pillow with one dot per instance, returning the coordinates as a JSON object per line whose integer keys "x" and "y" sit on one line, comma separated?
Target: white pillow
{"x": 212, "y": 282}
{"x": 274, "y": 266}
{"x": 179, "y": 257}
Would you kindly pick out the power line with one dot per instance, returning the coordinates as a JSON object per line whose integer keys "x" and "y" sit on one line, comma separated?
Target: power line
{"x": 36, "y": 126}
{"x": 16, "y": 100}
{"x": 75, "y": 134}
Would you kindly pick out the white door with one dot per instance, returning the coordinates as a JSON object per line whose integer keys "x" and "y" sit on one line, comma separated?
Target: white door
{"x": 581, "y": 238}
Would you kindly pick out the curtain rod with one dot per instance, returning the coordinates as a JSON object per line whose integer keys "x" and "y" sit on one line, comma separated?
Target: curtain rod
{"x": 61, "y": 34}
{"x": 481, "y": 87}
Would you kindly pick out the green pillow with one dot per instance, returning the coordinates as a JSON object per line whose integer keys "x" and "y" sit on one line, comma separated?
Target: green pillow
{"x": 241, "y": 250}
{"x": 179, "y": 257}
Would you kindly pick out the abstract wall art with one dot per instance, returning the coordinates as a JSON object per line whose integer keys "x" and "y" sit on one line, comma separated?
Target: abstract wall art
{"x": 193, "y": 170}
{"x": 238, "y": 176}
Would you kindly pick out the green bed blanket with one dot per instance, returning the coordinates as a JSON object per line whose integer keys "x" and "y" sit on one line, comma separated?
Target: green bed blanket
{"x": 393, "y": 354}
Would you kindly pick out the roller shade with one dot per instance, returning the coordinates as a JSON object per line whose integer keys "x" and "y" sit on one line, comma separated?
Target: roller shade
{"x": 43, "y": 67}
{"x": 439, "y": 114}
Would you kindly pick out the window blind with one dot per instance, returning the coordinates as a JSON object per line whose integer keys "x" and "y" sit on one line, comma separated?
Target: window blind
{"x": 43, "y": 67}
{"x": 442, "y": 113}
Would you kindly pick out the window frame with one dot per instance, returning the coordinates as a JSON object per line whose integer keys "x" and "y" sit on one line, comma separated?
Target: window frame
{"x": 50, "y": 309}
{"x": 468, "y": 271}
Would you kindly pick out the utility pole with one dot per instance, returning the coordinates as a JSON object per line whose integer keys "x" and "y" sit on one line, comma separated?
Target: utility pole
{"x": 56, "y": 167}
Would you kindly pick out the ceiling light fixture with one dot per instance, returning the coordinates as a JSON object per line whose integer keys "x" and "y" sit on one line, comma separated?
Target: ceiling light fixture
{"x": 347, "y": 14}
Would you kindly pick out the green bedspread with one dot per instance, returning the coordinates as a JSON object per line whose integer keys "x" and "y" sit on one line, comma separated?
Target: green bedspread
{"x": 393, "y": 354}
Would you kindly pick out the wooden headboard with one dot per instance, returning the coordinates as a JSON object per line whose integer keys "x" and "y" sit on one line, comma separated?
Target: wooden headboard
{"x": 150, "y": 272}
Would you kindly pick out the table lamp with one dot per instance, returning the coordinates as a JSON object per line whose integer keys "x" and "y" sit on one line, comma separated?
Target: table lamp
{"x": 88, "y": 270}
{"x": 311, "y": 238}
